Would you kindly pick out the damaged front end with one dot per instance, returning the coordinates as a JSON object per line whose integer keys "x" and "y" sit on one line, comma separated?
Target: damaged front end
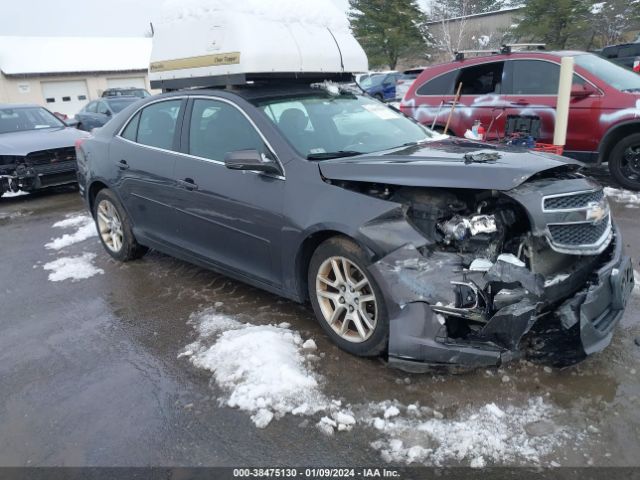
{"x": 39, "y": 169}
{"x": 491, "y": 264}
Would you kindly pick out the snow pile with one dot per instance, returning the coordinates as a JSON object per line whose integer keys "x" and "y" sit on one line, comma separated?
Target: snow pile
{"x": 322, "y": 13}
{"x": 486, "y": 435}
{"x": 86, "y": 229}
{"x": 72, "y": 268}
{"x": 11, "y": 194}
{"x": 263, "y": 368}
{"x": 623, "y": 196}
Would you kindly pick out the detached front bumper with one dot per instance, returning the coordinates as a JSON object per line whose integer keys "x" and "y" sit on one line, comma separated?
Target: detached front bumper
{"x": 413, "y": 285}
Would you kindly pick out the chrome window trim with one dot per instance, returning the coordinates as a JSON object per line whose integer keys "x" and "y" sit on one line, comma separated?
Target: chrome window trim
{"x": 188, "y": 155}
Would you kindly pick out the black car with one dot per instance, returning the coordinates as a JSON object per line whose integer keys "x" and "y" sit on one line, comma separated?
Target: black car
{"x": 36, "y": 149}
{"x": 435, "y": 250}
{"x": 625, "y": 54}
{"x": 98, "y": 112}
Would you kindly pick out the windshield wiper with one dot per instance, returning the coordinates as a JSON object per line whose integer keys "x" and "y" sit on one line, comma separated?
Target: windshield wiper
{"x": 329, "y": 155}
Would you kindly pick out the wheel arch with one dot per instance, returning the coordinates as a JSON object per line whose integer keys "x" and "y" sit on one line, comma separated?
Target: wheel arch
{"x": 306, "y": 250}
{"x": 93, "y": 191}
{"x": 614, "y": 135}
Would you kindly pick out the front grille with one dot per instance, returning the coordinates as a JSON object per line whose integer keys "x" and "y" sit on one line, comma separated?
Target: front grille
{"x": 54, "y": 155}
{"x": 53, "y": 168}
{"x": 573, "y": 201}
{"x": 579, "y": 234}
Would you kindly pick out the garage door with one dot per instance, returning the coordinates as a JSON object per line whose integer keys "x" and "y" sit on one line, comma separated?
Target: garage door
{"x": 65, "y": 97}
{"x": 135, "y": 82}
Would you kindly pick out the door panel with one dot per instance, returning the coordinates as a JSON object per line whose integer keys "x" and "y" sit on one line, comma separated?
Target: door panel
{"x": 533, "y": 92}
{"x": 227, "y": 216}
{"x": 146, "y": 166}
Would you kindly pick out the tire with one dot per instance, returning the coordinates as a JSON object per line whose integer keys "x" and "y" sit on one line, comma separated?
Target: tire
{"x": 348, "y": 336}
{"x": 80, "y": 126}
{"x": 114, "y": 228}
{"x": 624, "y": 162}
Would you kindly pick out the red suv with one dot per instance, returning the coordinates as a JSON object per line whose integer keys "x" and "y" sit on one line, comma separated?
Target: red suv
{"x": 604, "y": 118}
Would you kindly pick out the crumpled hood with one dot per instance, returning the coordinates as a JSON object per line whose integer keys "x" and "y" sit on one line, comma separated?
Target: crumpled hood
{"x": 442, "y": 164}
{"x": 23, "y": 143}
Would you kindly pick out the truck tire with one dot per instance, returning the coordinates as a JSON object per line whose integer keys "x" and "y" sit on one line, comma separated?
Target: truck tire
{"x": 114, "y": 228}
{"x": 346, "y": 299}
{"x": 624, "y": 162}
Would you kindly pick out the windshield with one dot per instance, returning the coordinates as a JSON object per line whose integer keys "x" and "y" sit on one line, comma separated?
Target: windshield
{"x": 322, "y": 126}
{"x": 121, "y": 103}
{"x": 618, "y": 77}
{"x": 27, "y": 118}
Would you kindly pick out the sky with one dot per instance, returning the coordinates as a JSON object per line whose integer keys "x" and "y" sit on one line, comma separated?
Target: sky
{"x": 118, "y": 18}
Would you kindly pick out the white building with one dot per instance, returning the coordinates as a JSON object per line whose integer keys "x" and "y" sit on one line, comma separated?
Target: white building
{"x": 64, "y": 73}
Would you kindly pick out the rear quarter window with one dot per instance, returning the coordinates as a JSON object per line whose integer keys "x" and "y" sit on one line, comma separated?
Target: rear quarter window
{"x": 440, "y": 85}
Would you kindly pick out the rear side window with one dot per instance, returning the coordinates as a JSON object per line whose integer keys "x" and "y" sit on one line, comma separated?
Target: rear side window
{"x": 131, "y": 132}
{"x": 218, "y": 128}
{"x": 481, "y": 79}
{"x": 440, "y": 85}
{"x": 158, "y": 124}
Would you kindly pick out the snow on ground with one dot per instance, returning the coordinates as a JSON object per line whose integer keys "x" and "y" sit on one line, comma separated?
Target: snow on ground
{"x": 475, "y": 437}
{"x": 19, "y": 193}
{"x": 264, "y": 369}
{"x": 631, "y": 199}
{"x": 73, "y": 268}
{"x": 86, "y": 229}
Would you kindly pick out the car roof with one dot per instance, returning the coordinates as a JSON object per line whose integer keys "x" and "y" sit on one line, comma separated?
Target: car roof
{"x": 507, "y": 56}
{"x": 119, "y": 97}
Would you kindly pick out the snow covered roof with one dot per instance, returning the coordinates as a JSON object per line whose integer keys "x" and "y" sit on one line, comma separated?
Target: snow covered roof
{"x": 32, "y": 55}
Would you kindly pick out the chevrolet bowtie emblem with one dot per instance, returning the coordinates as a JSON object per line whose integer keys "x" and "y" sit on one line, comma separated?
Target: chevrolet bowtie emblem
{"x": 597, "y": 211}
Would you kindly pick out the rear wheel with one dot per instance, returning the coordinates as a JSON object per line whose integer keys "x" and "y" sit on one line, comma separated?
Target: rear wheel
{"x": 624, "y": 162}
{"x": 114, "y": 228}
{"x": 346, "y": 299}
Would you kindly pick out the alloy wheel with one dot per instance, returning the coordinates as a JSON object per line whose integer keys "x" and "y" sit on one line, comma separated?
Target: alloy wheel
{"x": 110, "y": 226}
{"x": 346, "y": 299}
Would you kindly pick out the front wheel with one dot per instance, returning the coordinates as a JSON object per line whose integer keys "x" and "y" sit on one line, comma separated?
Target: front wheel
{"x": 346, "y": 299}
{"x": 624, "y": 162}
{"x": 114, "y": 228}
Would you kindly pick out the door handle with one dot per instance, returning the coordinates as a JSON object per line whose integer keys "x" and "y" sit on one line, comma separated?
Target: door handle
{"x": 520, "y": 102}
{"x": 123, "y": 165}
{"x": 188, "y": 183}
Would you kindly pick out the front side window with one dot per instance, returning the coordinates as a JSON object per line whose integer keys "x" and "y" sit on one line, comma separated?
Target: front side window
{"x": 218, "y": 128}
{"x": 323, "y": 126}
{"x": 102, "y": 108}
{"x": 481, "y": 79}
{"x": 538, "y": 77}
{"x": 158, "y": 124}
{"x": 29, "y": 118}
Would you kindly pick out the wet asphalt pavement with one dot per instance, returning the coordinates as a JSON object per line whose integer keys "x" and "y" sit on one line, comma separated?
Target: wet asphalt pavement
{"x": 90, "y": 374}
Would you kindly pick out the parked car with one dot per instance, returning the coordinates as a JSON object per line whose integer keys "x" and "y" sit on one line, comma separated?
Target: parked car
{"x": 36, "y": 149}
{"x": 98, "y": 112}
{"x": 604, "y": 118}
{"x": 624, "y": 54}
{"x": 126, "y": 92}
{"x": 433, "y": 249}
{"x": 381, "y": 87}
{"x": 405, "y": 80}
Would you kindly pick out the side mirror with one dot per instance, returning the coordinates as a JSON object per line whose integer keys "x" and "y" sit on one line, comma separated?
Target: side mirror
{"x": 71, "y": 122}
{"x": 583, "y": 91}
{"x": 251, "y": 160}
{"x": 107, "y": 113}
